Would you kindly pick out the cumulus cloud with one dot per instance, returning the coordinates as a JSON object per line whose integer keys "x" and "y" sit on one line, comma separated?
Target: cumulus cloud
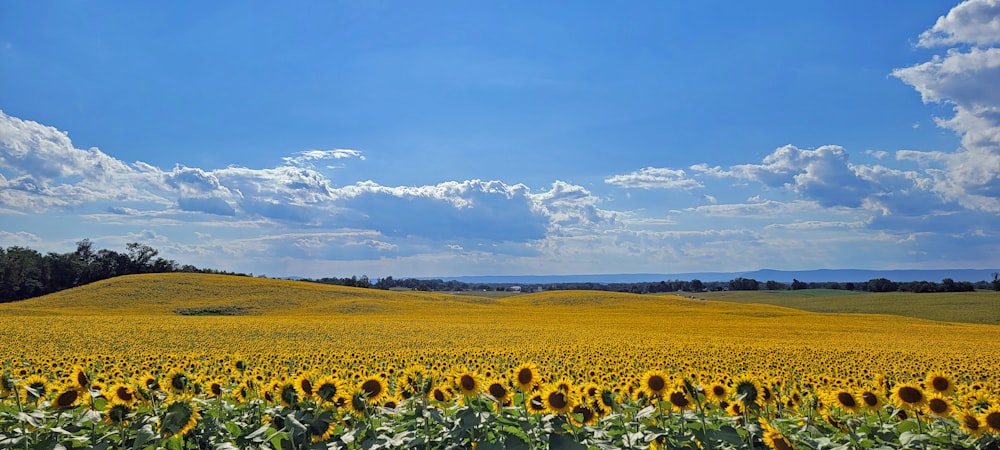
{"x": 308, "y": 157}
{"x": 967, "y": 80}
{"x": 655, "y": 178}
{"x": 973, "y": 21}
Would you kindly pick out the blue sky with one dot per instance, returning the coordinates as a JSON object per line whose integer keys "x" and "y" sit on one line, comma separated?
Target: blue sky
{"x": 473, "y": 138}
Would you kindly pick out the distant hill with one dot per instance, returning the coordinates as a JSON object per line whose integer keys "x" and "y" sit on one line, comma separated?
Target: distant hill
{"x": 784, "y": 276}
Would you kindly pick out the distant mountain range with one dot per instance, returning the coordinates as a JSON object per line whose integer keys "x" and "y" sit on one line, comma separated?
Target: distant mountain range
{"x": 784, "y": 276}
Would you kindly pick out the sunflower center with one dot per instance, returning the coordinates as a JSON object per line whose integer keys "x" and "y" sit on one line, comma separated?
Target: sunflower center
{"x": 782, "y": 444}
{"x": 656, "y": 383}
{"x": 525, "y": 376}
{"x": 870, "y": 399}
{"x": 718, "y": 391}
{"x": 937, "y": 406}
{"x": 439, "y": 395}
{"x": 306, "y": 386}
{"x": 558, "y": 400}
{"x": 372, "y": 387}
{"x": 846, "y": 399}
{"x": 678, "y": 399}
{"x": 467, "y": 382}
{"x": 497, "y": 391}
{"x": 940, "y": 384}
{"x": 124, "y": 394}
{"x": 910, "y": 394}
{"x": 66, "y": 399}
{"x": 993, "y": 420}
{"x": 971, "y": 422}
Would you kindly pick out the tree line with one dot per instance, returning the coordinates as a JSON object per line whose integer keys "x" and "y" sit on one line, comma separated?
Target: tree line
{"x": 736, "y": 284}
{"x": 27, "y": 273}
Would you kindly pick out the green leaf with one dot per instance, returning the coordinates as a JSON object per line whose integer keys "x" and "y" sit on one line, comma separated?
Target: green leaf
{"x": 564, "y": 442}
{"x": 144, "y": 435}
{"x": 516, "y": 442}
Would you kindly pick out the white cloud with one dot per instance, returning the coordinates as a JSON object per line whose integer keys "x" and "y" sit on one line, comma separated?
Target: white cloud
{"x": 967, "y": 80}
{"x": 973, "y": 22}
{"x": 307, "y": 157}
{"x": 655, "y": 178}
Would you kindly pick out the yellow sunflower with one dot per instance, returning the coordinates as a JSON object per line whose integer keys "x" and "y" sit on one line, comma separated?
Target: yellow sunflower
{"x": 908, "y": 395}
{"x": 34, "y": 388}
{"x": 845, "y": 400}
{"x": 526, "y": 376}
{"x": 327, "y": 389}
{"x": 971, "y": 423}
{"x": 870, "y": 400}
{"x": 654, "y": 383}
{"x": 177, "y": 381}
{"x": 80, "y": 379}
{"x": 181, "y": 417}
{"x": 991, "y": 420}
{"x": 66, "y": 396}
{"x": 304, "y": 386}
{"x": 117, "y": 412}
{"x": 373, "y": 388}
{"x": 716, "y": 392}
{"x": 557, "y": 401}
{"x": 938, "y": 405}
{"x": 940, "y": 383}
{"x": 467, "y": 383}
{"x": 773, "y": 438}
{"x": 498, "y": 391}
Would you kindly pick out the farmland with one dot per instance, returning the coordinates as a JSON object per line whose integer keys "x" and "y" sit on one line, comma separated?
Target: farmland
{"x": 631, "y": 368}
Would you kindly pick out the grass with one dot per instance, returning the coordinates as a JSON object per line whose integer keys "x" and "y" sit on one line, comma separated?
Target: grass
{"x": 981, "y": 307}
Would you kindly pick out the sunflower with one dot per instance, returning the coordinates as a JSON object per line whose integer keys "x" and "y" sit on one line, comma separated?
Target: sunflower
{"x": 526, "y": 376}
{"x": 373, "y": 388}
{"x": 991, "y": 420}
{"x": 680, "y": 399}
{"x": 773, "y": 438}
{"x": 243, "y": 391}
{"x": 327, "y": 389}
{"x": 149, "y": 383}
{"x": 287, "y": 395}
{"x": 971, "y": 423}
{"x": 181, "y": 416}
{"x": 557, "y": 401}
{"x": 716, "y": 392}
{"x": 535, "y": 403}
{"x": 440, "y": 394}
{"x": 845, "y": 400}
{"x": 117, "y": 412}
{"x": 34, "y": 388}
{"x": 177, "y": 381}
{"x": 938, "y": 405}
{"x": 304, "y": 386}
{"x": 654, "y": 383}
{"x": 499, "y": 392}
{"x": 80, "y": 379}
{"x": 582, "y": 415}
{"x": 7, "y": 384}
{"x": 214, "y": 388}
{"x": 736, "y": 409}
{"x": 416, "y": 381}
{"x": 67, "y": 396}
{"x": 908, "y": 396}
{"x": 748, "y": 392}
{"x": 321, "y": 427}
{"x": 467, "y": 383}
{"x": 940, "y": 383}
{"x": 870, "y": 400}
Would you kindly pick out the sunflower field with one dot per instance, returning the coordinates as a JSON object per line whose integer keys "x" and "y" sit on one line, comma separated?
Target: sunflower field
{"x": 182, "y": 361}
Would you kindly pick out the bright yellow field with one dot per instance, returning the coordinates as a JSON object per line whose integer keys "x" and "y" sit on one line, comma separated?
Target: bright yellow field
{"x": 126, "y": 327}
